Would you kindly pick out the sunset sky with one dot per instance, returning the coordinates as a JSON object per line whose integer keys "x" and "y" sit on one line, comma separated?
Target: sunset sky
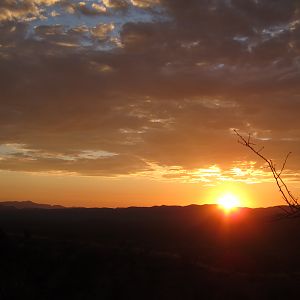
{"x": 134, "y": 102}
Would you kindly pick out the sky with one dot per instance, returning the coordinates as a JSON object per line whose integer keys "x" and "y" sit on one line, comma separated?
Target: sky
{"x": 121, "y": 103}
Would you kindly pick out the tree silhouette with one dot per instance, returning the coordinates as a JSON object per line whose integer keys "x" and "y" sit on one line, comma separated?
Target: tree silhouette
{"x": 293, "y": 208}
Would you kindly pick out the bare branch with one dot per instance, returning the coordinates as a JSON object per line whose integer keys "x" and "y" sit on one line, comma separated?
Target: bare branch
{"x": 261, "y": 149}
{"x": 284, "y": 163}
{"x": 287, "y": 196}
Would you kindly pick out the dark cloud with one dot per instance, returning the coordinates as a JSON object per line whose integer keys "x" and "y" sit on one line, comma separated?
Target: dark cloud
{"x": 166, "y": 92}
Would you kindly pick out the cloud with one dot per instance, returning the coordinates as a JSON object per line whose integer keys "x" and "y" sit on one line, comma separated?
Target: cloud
{"x": 84, "y": 8}
{"x": 23, "y": 10}
{"x": 109, "y": 167}
{"x": 115, "y": 3}
{"x": 19, "y": 157}
{"x": 94, "y": 9}
{"x": 145, "y": 3}
{"x": 101, "y": 30}
{"x": 168, "y": 95}
{"x": 99, "y": 8}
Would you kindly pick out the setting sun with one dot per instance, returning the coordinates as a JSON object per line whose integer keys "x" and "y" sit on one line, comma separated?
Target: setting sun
{"x": 228, "y": 202}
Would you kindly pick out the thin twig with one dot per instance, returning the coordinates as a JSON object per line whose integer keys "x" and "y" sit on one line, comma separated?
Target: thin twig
{"x": 283, "y": 189}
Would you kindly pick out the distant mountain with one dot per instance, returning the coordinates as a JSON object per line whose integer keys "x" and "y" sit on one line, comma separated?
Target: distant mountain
{"x": 28, "y": 204}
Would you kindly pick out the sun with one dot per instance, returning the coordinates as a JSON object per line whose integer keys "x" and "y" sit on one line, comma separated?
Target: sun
{"x": 228, "y": 202}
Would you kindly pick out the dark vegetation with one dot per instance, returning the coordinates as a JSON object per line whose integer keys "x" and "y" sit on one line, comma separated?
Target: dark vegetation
{"x": 193, "y": 252}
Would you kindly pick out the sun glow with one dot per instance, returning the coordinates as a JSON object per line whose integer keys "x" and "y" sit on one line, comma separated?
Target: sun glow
{"x": 228, "y": 202}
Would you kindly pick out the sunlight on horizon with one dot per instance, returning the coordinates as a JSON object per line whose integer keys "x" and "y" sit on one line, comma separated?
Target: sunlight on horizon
{"x": 228, "y": 202}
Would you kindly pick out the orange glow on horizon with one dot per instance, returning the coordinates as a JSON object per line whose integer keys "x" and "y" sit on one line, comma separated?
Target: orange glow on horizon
{"x": 125, "y": 192}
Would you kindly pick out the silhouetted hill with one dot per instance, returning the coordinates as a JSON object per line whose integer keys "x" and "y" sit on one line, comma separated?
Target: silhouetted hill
{"x": 28, "y": 204}
{"x": 163, "y": 252}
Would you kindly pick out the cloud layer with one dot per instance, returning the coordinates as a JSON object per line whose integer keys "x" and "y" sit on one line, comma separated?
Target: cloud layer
{"x": 160, "y": 84}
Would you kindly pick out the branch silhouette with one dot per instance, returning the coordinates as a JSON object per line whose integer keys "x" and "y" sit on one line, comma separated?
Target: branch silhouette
{"x": 288, "y": 197}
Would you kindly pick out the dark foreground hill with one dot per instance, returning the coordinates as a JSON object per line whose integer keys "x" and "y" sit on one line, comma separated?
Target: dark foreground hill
{"x": 193, "y": 252}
